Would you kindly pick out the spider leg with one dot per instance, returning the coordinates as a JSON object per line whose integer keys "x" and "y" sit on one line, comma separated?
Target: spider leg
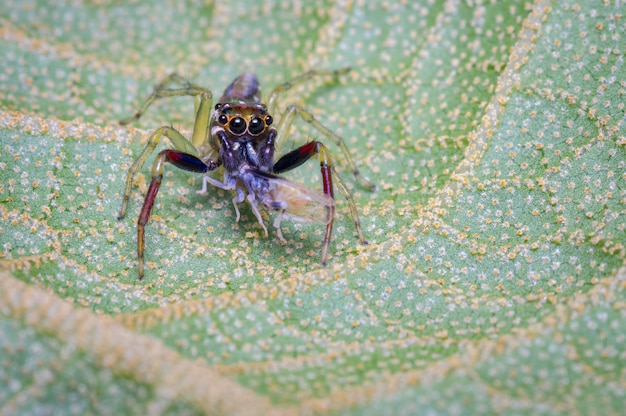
{"x": 186, "y": 154}
{"x": 236, "y": 201}
{"x": 179, "y": 159}
{"x": 285, "y": 125}
{"x": 300, "y": 155}
{"x": 162, "y": 90}
{"x": 203, "y": 97}
{"x": 272, "y": 100}
{"x": 178, "y": 140}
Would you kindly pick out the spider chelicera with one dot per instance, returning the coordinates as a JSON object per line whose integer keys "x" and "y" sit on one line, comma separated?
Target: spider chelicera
{"x": 239, "y": 137}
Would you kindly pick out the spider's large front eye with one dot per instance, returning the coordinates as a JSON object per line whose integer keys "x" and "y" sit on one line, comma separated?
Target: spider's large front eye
{"x": 222, "y": 119}
{"x": 256, "y": 126}
{"x": 237, "y": 125}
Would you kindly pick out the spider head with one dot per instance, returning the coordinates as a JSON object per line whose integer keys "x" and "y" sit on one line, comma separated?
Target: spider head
{"x": 243, "y": 135}
{"x": 240, "y": 120}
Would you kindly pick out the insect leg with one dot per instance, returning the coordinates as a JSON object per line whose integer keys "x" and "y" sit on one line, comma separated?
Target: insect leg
{"x": 179, "y": 159}
{"x": 276, "y": 225}
{"x": 207, "y": 180}
{"x": 252, "y": 201}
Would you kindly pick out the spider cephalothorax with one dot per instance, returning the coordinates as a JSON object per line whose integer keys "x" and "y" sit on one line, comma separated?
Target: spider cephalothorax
{"x": 240, "y": 138}
{"x": 246, "y": 131}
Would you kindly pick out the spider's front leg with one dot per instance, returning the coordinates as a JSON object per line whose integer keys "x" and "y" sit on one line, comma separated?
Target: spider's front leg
{"x": 300, "y": 155}
{"x": 185, "y": 156}
{"x": 179, "y": 159}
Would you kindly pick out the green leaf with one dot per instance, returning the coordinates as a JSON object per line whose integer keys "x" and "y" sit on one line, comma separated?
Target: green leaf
{"x": 494, "y": 279}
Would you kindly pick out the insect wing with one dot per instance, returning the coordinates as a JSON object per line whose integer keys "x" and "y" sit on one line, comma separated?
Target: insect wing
{"x": 301, "y": 203}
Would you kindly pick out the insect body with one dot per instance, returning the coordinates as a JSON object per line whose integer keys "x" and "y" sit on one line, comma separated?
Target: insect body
{"x": 240, "y": 137}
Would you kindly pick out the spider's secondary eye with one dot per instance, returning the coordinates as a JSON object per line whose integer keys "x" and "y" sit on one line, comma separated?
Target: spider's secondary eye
{"x": 269, "y": 120}
{"x": 218, "y": 105}
{"x": 222, "y": 119}
{"x": 237, "y": 125}
{"x": 256, "y": 126}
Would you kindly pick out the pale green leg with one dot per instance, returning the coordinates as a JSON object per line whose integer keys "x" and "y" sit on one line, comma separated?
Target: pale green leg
{"x": 272, "y": 100}
{"x": 343, "y": 190}
{"x": 161, "y": 91}
{"x": 200, "y": 134}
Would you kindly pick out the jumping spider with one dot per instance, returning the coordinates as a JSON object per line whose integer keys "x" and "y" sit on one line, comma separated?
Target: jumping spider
{"x": 239, "y": 137}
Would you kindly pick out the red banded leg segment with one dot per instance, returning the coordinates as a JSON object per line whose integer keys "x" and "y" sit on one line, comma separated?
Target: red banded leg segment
{"x": 300, "y": 155}
{"x": 181, "y": 160}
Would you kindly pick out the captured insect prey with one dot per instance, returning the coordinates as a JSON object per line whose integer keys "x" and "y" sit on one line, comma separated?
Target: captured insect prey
{"x": 240, "y": 136}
